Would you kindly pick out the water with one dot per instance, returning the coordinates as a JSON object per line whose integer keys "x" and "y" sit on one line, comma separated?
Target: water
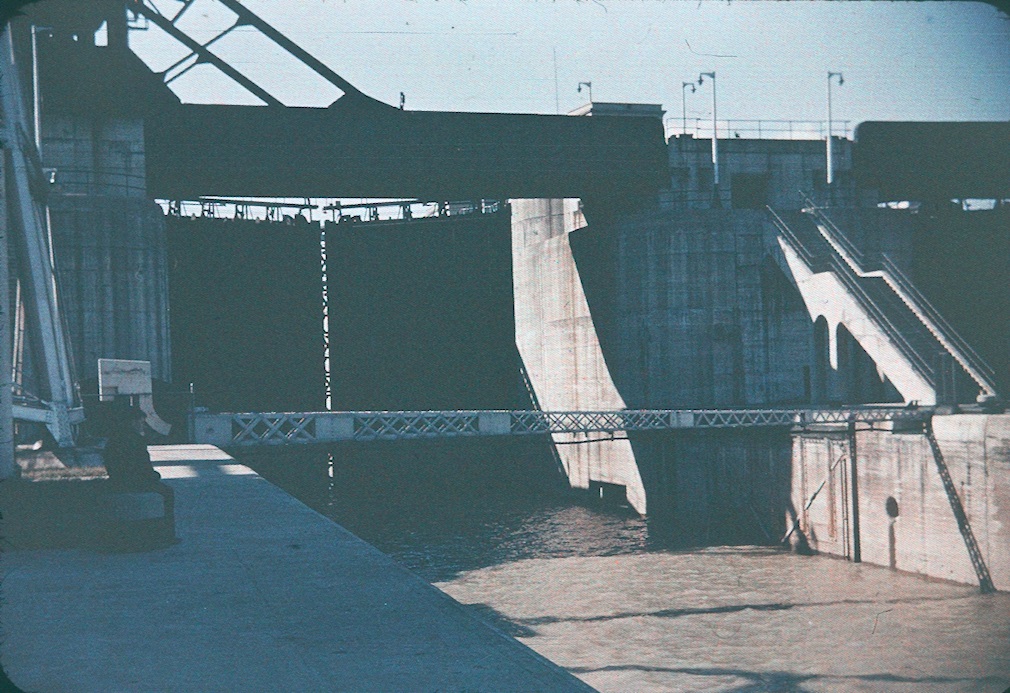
{"x": 601, "y": 593}
{"x": 441, "y": 509}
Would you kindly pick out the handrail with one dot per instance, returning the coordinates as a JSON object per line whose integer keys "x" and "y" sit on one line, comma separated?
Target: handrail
{"x": 906, "y": 285}
{"x": 848, "y": 278}
{"x": 924, "y": 311}
{"x": 229, "y": 429}
{"x": 793, "y": 240}
{"x": 761, "y": 129}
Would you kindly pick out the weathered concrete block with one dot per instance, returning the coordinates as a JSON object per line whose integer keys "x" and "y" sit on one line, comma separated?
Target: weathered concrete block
{"x": 212, "y": 429}
{"x": 335, "y": 427}
{"x": 133, "y": 506}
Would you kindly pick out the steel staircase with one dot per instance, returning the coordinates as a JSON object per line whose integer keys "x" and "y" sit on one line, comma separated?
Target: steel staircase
{"x": 926, "y": 327}
{"x": 889, "y": 299}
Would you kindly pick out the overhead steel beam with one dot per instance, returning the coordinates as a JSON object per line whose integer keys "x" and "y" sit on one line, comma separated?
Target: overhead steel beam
{"x": 933, "y": 161}
{"x": 246, "y": 16}
{"x": 203, "y": 53}
{"x": 363, "y": 148}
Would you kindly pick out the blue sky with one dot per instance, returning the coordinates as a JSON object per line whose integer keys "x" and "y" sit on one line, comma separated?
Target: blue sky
{"x": 901, "y": 60}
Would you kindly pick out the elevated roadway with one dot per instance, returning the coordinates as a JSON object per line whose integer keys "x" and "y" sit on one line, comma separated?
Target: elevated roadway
{"x": 359, "y": 147}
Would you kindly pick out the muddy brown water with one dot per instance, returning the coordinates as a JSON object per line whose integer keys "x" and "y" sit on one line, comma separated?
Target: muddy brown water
{"x": 597, "y": 591}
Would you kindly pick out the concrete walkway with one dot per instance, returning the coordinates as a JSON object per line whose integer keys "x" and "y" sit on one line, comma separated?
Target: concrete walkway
{"x": 262, "y": 594}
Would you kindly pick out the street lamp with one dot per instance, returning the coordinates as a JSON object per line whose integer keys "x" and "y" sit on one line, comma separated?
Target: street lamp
{"x": 830, "y": 159}
{"x": 36, "y": 96}
{"x": 589, "y": 86}
{"x": 683, "y": 101}
{"x": 715, "y": 134}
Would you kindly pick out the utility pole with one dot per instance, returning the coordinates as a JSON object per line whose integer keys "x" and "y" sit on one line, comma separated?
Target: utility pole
{"x": 36, "y": 94}
{"x": 8, "y": 467}
{"x": 715, "y": 132}
{"x": 830, "y": 158}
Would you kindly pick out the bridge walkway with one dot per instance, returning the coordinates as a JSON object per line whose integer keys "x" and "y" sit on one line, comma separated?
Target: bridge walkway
{"x": 286, "y": 428}
{"x": 261, "y": 594}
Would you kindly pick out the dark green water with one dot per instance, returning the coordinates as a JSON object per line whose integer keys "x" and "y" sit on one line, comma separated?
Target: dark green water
{"x": 441, "y": 508}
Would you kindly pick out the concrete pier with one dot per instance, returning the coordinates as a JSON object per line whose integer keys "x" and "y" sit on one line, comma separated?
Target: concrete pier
{"x": 261, "y": 594}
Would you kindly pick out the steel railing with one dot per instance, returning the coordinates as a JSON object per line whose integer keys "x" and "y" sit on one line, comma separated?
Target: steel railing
{"x": 758, "y": 128}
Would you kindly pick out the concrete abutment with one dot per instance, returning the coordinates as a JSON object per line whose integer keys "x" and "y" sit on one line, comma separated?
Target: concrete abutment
{"x": 905, "y": 517}
{"x": 559, "y": 345}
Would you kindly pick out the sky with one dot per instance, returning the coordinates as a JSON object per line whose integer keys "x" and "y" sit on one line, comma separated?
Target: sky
{"x": 900, "y": 60}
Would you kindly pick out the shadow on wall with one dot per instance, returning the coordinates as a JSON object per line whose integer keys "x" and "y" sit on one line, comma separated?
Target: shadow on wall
{"x": 966, "y": 280}
{"x": 716, "y": 487}
{"x": 421, "y": 315}
{"x": 246, "y": 318}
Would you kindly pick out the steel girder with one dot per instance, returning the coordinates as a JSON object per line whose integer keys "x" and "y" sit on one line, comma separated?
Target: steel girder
{"x": 61, "y": 411}
{"x": 283, "y": 428}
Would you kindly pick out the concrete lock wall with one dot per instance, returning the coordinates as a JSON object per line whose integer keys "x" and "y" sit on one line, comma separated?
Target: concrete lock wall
{"x": 905, "y": 518}
{"x": 558, "y": 344}
{"x": 660, "y": 308}
{"x": 704, "y": 317}
{"x": 113, "y": 279}
{"x": 108, "y": 243}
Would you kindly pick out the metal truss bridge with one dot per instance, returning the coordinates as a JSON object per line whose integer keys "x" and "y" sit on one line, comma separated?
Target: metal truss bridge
{"x": 255, "y": 429}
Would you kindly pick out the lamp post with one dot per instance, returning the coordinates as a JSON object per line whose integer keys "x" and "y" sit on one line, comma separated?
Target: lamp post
{"x": 683, "y": 101}
{"x": 715, "y": 133}
{"x": 589, "y": 86}
{"x": 36, "y": 95}
{"x": 830, "y": 159}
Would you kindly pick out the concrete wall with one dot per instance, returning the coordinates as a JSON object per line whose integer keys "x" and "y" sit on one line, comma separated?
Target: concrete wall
{"x": 108, "y": 243}
{"x": 704, "y": 317}
{"x": 717, "y": 486}
{"x": 664, "y": 308}
{"x": 558, "y": 343}
{"x": 782, "y": 167}
{"x": 113, "y": 280}
{"x": 923, "y": 538}
{"x": 698, "y": 308}
{"x": 96, "y": 156}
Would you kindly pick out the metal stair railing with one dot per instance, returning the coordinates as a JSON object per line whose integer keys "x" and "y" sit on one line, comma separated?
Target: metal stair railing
{"x": 924, "y": 311}
{"x": 983, "y": 374}
{"x": 794, "y": 242}
{"x": 974, "y": 552}
{"x": 850, "y": 279}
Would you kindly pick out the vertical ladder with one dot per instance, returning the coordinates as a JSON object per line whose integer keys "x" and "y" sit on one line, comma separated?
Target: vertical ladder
{"x": 984, "y": 580}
